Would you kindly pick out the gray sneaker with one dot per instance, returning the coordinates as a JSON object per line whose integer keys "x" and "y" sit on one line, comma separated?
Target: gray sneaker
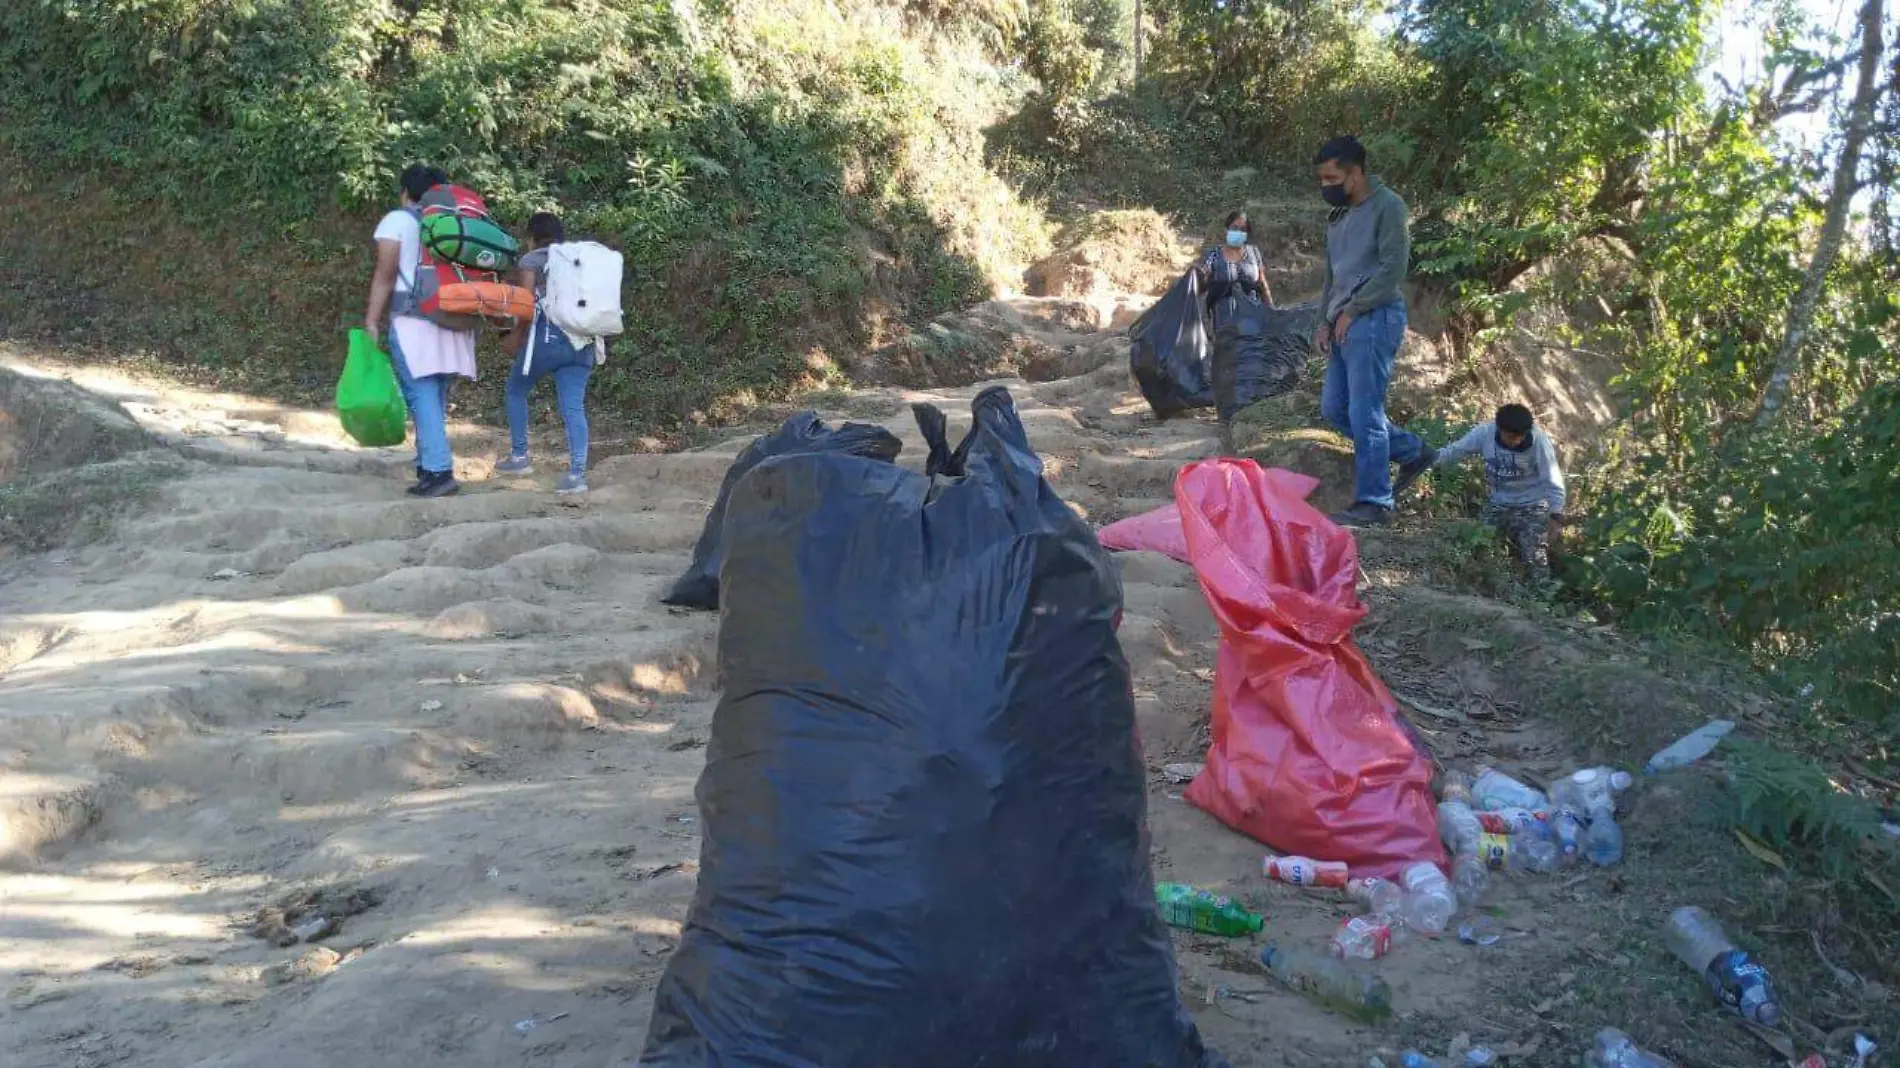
{"x": 514, "y": 465}
{"x": 571, "y": 483}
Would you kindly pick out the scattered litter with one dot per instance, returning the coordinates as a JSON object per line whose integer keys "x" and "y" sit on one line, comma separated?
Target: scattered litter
{"x": 1330, "y": 982}
{"x": 1690, "y": 747}
{"x": 226, "y": 574}
{"x": 524, "y": 1026}
{"x": 1736, "y": 978}
{"x": 1363, "y": 938}
{"x": 1412, "y": 1058}
{"x": 1863, "y": 1051}
{"x": 494, "y": 874}
{"x": 432, "y": 706}
{"x": 1480, "y": 1057}
{"x": 1614, "y": 1049}
{"x": 1180, "y": 773}
{"x": 1199, "y": 910}
{"x": 312, "y": 928}
{"x": 1481, "y": 931}
{"x": 1305, "y": 871}
{"x": 1892, "y": 829}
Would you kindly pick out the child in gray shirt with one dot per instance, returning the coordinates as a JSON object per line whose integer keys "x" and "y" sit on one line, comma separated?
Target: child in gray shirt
{"x": 1525, "y": 482}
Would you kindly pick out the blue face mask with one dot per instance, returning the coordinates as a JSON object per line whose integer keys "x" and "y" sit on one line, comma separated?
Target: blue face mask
{"x": 1236, "y": 238}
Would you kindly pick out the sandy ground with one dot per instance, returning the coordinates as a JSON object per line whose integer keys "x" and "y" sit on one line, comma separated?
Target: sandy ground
{"x": 469, "y": 729}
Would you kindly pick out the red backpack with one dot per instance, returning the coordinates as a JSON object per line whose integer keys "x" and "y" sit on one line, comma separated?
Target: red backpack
{"x": 453, "y": 296}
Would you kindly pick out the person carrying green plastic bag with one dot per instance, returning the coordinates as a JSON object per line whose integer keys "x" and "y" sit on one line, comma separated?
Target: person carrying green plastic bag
{"x": 368, "y": 397}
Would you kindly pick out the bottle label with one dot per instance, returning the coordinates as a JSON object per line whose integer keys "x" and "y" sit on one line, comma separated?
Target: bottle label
{"x": 1510, "y": 820}
{"x": 1494, "y": 850}
{"x": 1304, "y": 871}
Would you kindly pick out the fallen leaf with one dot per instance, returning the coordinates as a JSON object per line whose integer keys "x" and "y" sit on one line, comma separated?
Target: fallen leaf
{"x": 1759, "y": 849}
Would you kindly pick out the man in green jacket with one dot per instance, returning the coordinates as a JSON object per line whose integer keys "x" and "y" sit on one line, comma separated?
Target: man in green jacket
{"x": 1367, "y": 253}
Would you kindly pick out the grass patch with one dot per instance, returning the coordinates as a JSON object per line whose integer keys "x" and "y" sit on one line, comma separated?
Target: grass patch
{"x": 79, "y": 504}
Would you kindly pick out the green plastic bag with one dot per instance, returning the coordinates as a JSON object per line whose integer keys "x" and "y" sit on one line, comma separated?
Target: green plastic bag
{"x": 368, "y": 398}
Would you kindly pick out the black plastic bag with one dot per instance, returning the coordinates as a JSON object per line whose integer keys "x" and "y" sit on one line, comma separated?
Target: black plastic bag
{"x": 1169, "y": 354}
{"x": 935, "y": 428}
{"x": 924, "y": 806}
{"x": 1259, "y": 352}
{"x": 804, "y": 432}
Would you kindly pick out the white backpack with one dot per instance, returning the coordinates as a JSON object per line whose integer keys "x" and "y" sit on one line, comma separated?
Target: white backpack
{"x": 583, "y": 291}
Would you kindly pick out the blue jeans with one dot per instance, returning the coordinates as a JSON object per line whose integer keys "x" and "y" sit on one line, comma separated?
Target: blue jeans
{"x": 428, "y": 400}
{"x": 1353, "y": 399}
{"x": 570, "y": 367}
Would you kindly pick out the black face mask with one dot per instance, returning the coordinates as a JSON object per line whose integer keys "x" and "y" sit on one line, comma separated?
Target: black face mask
{"x": 1335, "y": 195}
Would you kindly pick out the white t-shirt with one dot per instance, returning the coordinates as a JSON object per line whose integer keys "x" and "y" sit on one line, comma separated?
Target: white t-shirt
{"x": 402, "y": 227}
{"x": 428, "y": 349}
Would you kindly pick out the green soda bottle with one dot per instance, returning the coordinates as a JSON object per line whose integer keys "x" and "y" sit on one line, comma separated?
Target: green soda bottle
{"x": 1330, "y": 981}
{"x": 1197, "y": 910}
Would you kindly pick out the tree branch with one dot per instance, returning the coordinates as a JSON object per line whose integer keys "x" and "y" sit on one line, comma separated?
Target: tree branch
{"x": 1860, "y": 117}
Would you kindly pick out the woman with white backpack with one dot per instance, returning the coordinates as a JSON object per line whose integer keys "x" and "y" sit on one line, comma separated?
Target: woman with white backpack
{"x": 577, "y": 291}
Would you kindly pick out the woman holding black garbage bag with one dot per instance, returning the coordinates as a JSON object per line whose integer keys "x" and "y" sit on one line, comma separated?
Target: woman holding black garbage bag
{"x": 1233, "y": 272}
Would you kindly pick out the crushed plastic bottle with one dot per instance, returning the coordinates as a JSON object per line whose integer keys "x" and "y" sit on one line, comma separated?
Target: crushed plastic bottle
{"x": 1381, "y": 897}
{"x": 1430, "y": 902}
{"x": 1412, "y": 1058}
{"x": 1690, "y": 747}
{"x": 1614, "y": 1049}
{"x": 1363, "y": 938}
{"x": 1493, "y": 790}
{"x": 1566, "y": 830}
{"x": 1198, "y": 910}
{"x": 1455, "y": 786}
{"x": 1305, "y": 871}
{"x": 1329, "y": 982}
{"x": 1737, "y": 979}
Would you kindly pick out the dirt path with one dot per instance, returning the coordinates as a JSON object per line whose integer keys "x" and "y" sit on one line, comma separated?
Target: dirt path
{"x": 470, "y": 728}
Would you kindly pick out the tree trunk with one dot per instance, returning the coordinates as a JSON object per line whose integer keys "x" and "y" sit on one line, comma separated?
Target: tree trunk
{"x": 1860, "y": 117}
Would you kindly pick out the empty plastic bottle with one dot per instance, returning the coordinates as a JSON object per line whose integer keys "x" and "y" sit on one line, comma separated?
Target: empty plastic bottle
{"x": 1381, "y": 897}
{"x": 1458, "y": 826}
{"x": 1429, "y": 901}
{"x": 1690, "y": 747}
{"x": 1412, "y": 1058}
{"x": 1493, "y": 790}
{"x": 1363, "y": 938}
{"x": 1198, "y": 910}
{"x": 1329, "y": 982}
{"x": 1566, "y": 830}
{"x": 1305, "y": 871}
{"x": 1614, "y": 1049}
{"x": 1527, "y": 852}
{"x": 1736, "y": 978}
{"x": 1603, "y": 840}
{"x": 1470, "y": 879}
{"x": 1595, "y": 787}
{"x": 1455, "y": 786}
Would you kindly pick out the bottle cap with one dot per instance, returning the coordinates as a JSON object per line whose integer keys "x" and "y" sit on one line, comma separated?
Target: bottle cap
{"x": 1584, "y": 776}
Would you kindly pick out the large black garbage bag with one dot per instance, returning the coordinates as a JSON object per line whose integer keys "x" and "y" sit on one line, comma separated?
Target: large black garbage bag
{"x": 1169, "y": 354}
{"x": 1259, "y": 353}
{"x": 923, "y": 804}
{"x": 802, "y": 433}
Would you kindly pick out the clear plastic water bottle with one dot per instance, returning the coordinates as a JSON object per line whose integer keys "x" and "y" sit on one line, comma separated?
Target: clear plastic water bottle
{"x": 1595, "y": 787}
{"x": 1455, "y": 786}
{"x": 1493, "y": 790}
{"x": 1737, "y": 979}
{"x": 1381, "y": 897}
{"x": 1614, "y": 1049}
{"x": 1330, "y": 982}
{"x": 1603, "y": 840}
{"x": 1363, "y": 938}
{"x": 1470, "y": 879}
{"x": 1532, "y": 853}
{"x": 1690, "y": 747}
{"x": 1566, "y": 829}
{"x": 1458, "y": 826}
{"x": 1429, "y": 900}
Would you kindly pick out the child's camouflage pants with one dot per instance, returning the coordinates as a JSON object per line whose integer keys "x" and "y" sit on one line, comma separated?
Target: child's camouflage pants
{"x": 1527, "y": 528}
